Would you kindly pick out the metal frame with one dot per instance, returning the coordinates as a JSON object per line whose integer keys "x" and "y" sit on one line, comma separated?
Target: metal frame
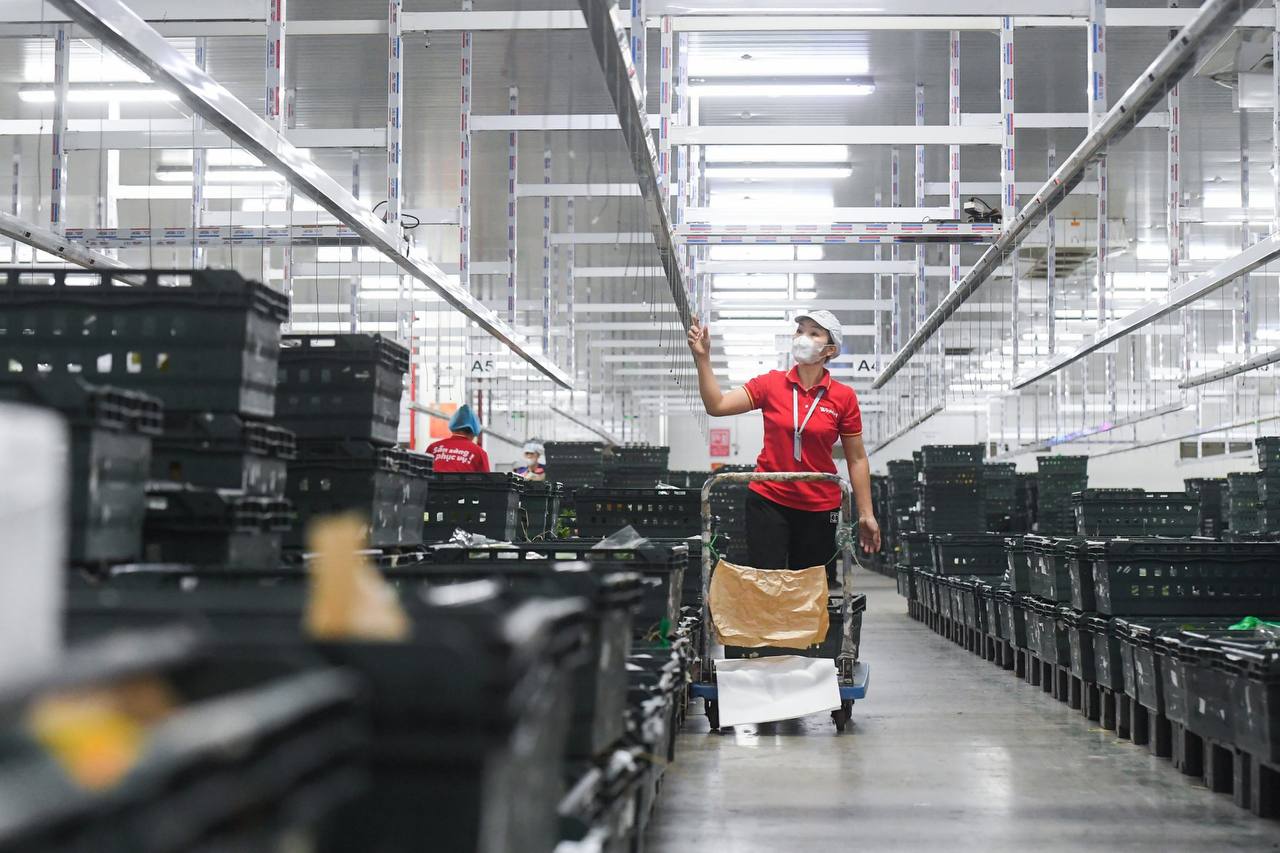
{"x": 124, "y": 32}
{"x": 47, "y": 240}
{"x": 1212, "y": 19}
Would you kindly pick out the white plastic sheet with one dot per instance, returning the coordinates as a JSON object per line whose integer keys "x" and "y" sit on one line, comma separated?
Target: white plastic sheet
{"x": 764, "y": 690}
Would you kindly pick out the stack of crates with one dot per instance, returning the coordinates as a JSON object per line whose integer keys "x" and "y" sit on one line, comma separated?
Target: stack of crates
{"x": 575, "y": 463}
{"x": 635, "y": 466}
{"x": 111, "y": 433}
{"x": 1000, "y": 495}
{"x": 1028, "y": 491}
{"x": 1268, "y": 449}
{"x": 950, "y": 489}
{"x": 341, "y": 395}
{"x": 1212, "y": 494}
{"x": 484, "y": 504}
{"x": 685, "y": 479}
{"x": 1135, "y": 512}
{"x": 899, "y": 518}
{"x": 653, "y": 513}
{"x": 1058, "y": 478}
{"x": 1242, "y": 503}
{"x": 729, "y": 514}
{"x": 206, "y": 344}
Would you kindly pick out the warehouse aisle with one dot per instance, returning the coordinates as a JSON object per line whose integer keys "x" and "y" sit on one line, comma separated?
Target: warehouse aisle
{"x": 947, "y": 753}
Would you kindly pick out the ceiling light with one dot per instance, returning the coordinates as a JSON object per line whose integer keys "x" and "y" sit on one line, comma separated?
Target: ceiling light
{"x": 778, "y": 173}
{"x": 778, "y": 64}
{"x": 781, "y": 87}
{"x": 221, "y": 176}
{"x": 777, "y": 154}
{"x": 100, "y": 95}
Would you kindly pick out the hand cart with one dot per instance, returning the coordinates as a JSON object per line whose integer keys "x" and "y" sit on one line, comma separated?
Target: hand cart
{"x": 853, "y": 674}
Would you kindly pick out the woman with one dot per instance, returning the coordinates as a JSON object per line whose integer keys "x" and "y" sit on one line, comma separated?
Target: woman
{"x": 793, "y": 525}
{"x": 459, "y": 453}
{"x": 532, "y": 469}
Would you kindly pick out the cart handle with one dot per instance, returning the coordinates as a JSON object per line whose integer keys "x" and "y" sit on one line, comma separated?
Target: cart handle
{"x": 845, "y": 659}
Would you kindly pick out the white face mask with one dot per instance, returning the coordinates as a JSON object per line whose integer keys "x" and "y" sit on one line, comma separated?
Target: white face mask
{"x": 806, "y": 350}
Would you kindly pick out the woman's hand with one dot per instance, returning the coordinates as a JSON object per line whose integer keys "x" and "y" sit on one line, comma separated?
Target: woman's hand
{"x": 869, "y": 534}
{"x": 699, "y": 339}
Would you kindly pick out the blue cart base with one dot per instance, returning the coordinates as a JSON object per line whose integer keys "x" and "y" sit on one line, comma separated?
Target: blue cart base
{"x": 850, "y": 691}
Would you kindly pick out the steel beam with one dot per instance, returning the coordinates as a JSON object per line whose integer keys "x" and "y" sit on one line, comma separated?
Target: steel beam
{"x": 1258, "y": 361}
{"x": 1212, "y": 20}
{"x": 58, "y": 131}
{"x": 906, "y": 429}
{"x": 825, "y": 134}
{"x": 47, "y": 240}
{"x": 717, "y": 215}
{"x": 125, "y": 33}
{"x": 1260, "y": 253}
{"x": 609, "y": 42}
{"x": 577, "y": 190}
{"x": 587, "y": 425}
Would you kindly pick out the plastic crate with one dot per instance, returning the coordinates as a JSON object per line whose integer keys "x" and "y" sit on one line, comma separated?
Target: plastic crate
{"x": 648, "y": 457}
{"x": 1054, "y": 641}
{"x": 381, "y": 483}
{"x": 212, "y": 527}
{"x": 1196, "y": 695}
{"x": 1268, "y": 449}
{"x": 199, "y": 340}
{"x": 341, "y": 386}
{"x": 1108, "y": 668}
{"x": 942, "y": 455}
{"x": 487, "y": 504}
{"x": 902, "y": 575}
{"x": 252, "y": 754}
{"x": 652, "y": 512}
{"x": 1143, "y": 679}
{"x": 969, "y": 554}
{"x": 1133, "y": 512}
{"x": 224, "y": 451}
{"x": 1081, "y": 638}
{"x": 1019, "y": 564}
{"x": 917, "y": 550}
{"x": 989, "y": 608}
{"x": 1143, "y": 577}
{"x": 1013, "y": 621}
{"x": 111, "y": 432}
{"x": 1070, "y": 465}
{"x": 1255, "y": 699}
{"x": 540, "y": 502}
{"x": 662, "y": 566}
{"x": 1050, "y": 567}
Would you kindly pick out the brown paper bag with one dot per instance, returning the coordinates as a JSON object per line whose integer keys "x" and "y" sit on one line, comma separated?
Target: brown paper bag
{"x": 349, "y": 599}
{"x": 752, "y": 608}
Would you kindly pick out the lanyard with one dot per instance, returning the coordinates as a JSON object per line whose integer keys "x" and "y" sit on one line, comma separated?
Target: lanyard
{"x": 795, "y": 417}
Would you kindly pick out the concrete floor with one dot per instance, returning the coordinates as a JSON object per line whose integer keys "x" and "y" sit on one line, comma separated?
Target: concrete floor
{"x": 947, "y": 753}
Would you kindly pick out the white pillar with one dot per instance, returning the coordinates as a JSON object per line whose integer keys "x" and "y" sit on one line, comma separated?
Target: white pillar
{"x": 665, "y": 98}
{"x": 639, "y": 45}
{"x": 199, "y": 161}
{"x": 953, "y": 119}
{"x": 276, "y": 18}
{"x": 878, "y": 292}
{"x": 546, "y": 254}
{"x": 571, "y": 289}
{"x": 464, "y": 144}
{"x": 58, "y": 132}
{"x": 922, "y": 289}
{"x": 353, "y": 286}
{"x": 513, "y": 176}
{"x": 1051, "y": 261}
{"x": 395, "y": 110}
{"x": 1008, "y": 159}
{"x": 895, "y": 252}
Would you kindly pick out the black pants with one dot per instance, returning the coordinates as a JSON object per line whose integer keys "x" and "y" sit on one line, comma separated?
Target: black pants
{"x": 779, "y": 537}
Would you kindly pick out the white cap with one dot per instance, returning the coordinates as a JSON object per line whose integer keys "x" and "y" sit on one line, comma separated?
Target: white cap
{"x": 828, "y": 321}
{"x": 533, "y": 447}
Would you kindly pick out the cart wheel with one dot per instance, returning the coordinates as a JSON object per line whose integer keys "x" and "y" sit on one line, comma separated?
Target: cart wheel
{"x": 843, "y": 715}
{"x": 713, "y": 714}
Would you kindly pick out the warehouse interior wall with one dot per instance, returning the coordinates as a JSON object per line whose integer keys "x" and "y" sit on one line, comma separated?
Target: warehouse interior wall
{"x": 691, "y": 449}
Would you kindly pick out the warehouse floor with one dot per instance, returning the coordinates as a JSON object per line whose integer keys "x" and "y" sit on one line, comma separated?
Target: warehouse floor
{"x": 946, "y": 753}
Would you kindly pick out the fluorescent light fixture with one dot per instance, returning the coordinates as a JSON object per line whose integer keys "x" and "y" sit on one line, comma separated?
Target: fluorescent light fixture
{"x": 221, "y": 176}
{"x": 777, "y": 154}
{"x": 120, "y": 95}
{"x": 212, "y": 157}
{"x": 778, "y": 173}
{"x": 747, "y": 295}
{"x": 748, "y": 252}
{"x": 776, "y": 63}
{"x": 781, "y": 86}
{"x": 749, "y": 281}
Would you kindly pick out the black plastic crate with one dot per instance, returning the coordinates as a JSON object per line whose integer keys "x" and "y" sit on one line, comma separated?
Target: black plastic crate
{"x": 1081, "y": 638}
{"x": 341, "y": 386}
{"x": 1019, "y": 564}
{"x": 1049, "y": 559}
{"x": 487, "y": 504}
{"x": 1144, "y": 577}
{"x": 1133, "y": 512}
{"x": 648, "y": 457}
{"x": 1255, "y": 699}
{"x": 251, "y": 754}
{"x": 111, "y": 433}
{"x": 1143, "y": 678}
{"x": 1013, "y": 620}
{"x": 1108, "y": 668}
{"x": 1268, "y": 449}
{"x": 1080, "y": 571}
{"x": 661, "y": 566}
{"x": 917, "y": 550}
{"x": 574, "y": 452}
{"x": 1053, "y": 640}
{"x": 942, "y": 455}
{"x": 381, "y": 483}
{"x": 969, "y": 554}
{"x": 1196, "y": 694}
{"x": 1070, "y": 465}
{"x": 988, "y": 608}
{"x": 652, "y": 512}
{"x": 223, "y": 451}
{"x": 212, "y": 527}
{"x": 199, "y": 340}
{"x": 540, "y": 502}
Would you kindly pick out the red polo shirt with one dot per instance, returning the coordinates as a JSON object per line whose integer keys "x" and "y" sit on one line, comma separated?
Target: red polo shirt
{"x": 837, "y": 415}
{"x": 457, "y": 454}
